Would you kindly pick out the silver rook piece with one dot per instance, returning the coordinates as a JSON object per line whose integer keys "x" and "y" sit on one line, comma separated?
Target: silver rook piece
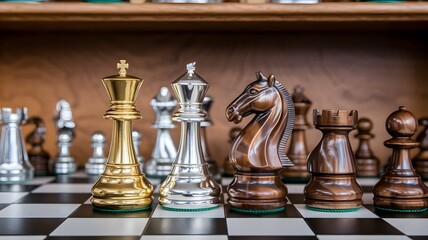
{"x": 14, "y": 163}
{"x": 164, "y": 152}
{"x": 136, "y": 141}
{"x": 189, "y": 186}
{"x": 64, "y": 162}
{"x": 96, "y": 163}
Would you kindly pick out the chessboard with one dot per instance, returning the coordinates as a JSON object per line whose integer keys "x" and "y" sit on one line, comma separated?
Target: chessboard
{"x": 59, "y": 208}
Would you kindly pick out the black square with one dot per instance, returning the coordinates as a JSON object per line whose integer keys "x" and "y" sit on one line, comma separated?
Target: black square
{"x": 388, "y": 214}
{"x": 87, "y": 211}
{"x": 186, "y": 226}
{"x": 68, "y": 179}
{"x": 419, "y": 237}
{"x": 3, "y": 206}
{"x": 296, "y": 198}
{"x": 273, "y": 238}
{"x": 289, "y": 212}
{"x": 17, "y": 188}
{"x": 351, "y": 226}
{"x": 367, "y": 189}
{"x": 29, "y": 226}
{"x": 55, "y": 198}
{"x": 95, "y": 238}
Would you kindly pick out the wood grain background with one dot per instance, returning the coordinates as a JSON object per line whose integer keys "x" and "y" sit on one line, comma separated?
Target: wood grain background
{"x": 373, "y": 73}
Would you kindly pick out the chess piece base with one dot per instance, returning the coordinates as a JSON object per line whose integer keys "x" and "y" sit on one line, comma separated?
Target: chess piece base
{"x": 122, "y": 187}
{"x": 421, "y": 167}
{"x": 10, "y": 174}
{"x": 333, "y": 192}
{"x": 94, "y": 168}
{"x": 401, "y": 192}
{"x": 367, "y": 167}
{"x": 257, "y": 192}
{"x": 158, "y": 168}
{"x": 40, "y": 164}
{"x": 66, "y": 166}
{"x": 183, "y": 190}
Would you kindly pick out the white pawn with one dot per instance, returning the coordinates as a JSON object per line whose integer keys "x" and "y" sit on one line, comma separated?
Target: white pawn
{"x": 96, "y": 163}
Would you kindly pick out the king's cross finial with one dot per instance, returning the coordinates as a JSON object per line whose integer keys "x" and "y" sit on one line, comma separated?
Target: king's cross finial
{"x": 122, "y": 66}
{"x": 191, "y": 68}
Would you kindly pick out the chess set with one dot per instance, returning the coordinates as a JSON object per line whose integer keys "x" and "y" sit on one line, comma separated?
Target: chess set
{"x": 265, "y": 190}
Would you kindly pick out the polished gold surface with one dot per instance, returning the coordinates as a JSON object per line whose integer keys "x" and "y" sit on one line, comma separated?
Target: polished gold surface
{"x": 332, "y": 163}
{"x": 122, "y": 186}
{"x": 401, "y": 188}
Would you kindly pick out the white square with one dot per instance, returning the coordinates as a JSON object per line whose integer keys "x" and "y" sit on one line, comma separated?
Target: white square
{"x": 162, "y": 213}
{"x": 40, "y": 180}
{"x": 362, "y": 237}
{"x": 88, "y": 201}
{"x": 38, "y": 210}
{"x": 361, "y": 213}
{"x": 26, "y": 237}
{"x": 367, "y": 181}
{"x": 296, "y": 188}
{"x": 184, "y": 237}
{"x": 64, "y": 188}
{"x": 268, "y": 227}
{"x": 10, "y": 197}
{"x": 101, "y": 227}
{"x": 226, "y": 181}
{"x": 410, "y": 226}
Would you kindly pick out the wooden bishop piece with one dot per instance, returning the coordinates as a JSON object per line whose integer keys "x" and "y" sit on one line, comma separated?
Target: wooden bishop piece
{"x": 401, "y": 189}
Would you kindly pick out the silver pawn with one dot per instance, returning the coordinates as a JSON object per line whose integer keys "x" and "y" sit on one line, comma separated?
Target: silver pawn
{"x": 136, "y": 140}
{"x": 14, "y": 163}
{"x": 164, "y": 152}
{"x": 96, "y": 163}
{"x": 212, "y": 165}
{"x": 64, "y": 162}
{"x": 190, "y": 186}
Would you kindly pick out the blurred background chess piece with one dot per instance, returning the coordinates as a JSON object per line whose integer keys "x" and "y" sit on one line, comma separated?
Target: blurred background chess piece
{"x": 38, "y": 157}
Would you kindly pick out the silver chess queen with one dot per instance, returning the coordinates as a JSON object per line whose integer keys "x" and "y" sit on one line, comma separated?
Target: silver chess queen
{"x": 189, "y": 186}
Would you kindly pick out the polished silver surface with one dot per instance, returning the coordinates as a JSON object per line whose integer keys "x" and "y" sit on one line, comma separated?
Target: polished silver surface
{"x": 64, "y": 117}
{"x": 164, "y": 152}
{"x": 64, "y": 162}
{"x": 137, "y": 137}
{"x": 212, "y": 165}
{"x": 14, "y": 163}
{"x": 189, "y": 186}
{"x": 96, "y": 163}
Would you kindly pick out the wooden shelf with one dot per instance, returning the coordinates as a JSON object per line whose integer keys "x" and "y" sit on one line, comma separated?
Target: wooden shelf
{"x": 225, "y": 16}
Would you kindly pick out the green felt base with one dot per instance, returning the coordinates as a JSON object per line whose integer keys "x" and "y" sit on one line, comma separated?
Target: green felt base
{"x": 259, "y": 211}
{"x": 189, "y": 209}
{"x": 333, "y": 210}
{"x": 122, "y": 210}
{"x": 401, "y": 210}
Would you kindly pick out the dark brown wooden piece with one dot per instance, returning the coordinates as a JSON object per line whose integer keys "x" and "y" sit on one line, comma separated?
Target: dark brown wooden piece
{"x": 38, "y": 157}
{"x": 367, "y": 162}
{"x": 298, "y": 151}
{"x": 420, "y": 162}
{"x": 401, "y": 188}
{"x": 258, "y": 152}
{"x": 332, "y": 163}
{"x": 228, "y": 168}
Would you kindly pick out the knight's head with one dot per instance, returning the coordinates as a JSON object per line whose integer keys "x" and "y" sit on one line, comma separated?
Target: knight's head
{"x": 260, "y": 96}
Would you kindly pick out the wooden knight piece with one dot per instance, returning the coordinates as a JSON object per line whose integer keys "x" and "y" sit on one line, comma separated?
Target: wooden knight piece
{"x": 228, "y": 168}
{"x": 38, "y": 157}
{"x": 298, "y": 151}
{"x": 258, "y": 152}
{"x": 367, "y": 162}
{"x": 421, "y": 160}
{"x": 333, "y": 186}
{"x": 400, "y": 188}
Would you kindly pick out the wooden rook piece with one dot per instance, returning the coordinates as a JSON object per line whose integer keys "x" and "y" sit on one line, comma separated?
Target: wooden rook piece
{"x": 228, "y": 168}
{"x": 298, "y": 151}
{"x": 258, "y": 152}
{"x": 367, "y": 163}
{"x": 400, "y": 188}
{"x": 333, "y": 186}
{"x": 421, "y": 160}
{"x": 38, "y": 157}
